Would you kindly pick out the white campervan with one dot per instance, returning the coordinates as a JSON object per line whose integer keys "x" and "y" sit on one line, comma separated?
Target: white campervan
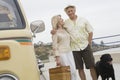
{"x": 17, "y": 56}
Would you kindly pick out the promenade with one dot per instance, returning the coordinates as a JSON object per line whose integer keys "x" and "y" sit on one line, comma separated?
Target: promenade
{"x": 115, "y": 53}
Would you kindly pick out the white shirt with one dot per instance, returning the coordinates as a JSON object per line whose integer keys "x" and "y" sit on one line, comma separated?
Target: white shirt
{"x": 79, "y": 32}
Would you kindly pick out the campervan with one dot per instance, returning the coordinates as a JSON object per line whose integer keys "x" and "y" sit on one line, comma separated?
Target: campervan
{"x": 17, "y": 55}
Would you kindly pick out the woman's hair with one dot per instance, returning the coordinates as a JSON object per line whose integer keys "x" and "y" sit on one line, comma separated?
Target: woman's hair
{"x": 54, "y": 21}
{"x": 69, "y": 6}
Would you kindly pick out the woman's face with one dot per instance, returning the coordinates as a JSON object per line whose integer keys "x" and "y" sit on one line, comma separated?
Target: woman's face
{"x": 60, "y": 21}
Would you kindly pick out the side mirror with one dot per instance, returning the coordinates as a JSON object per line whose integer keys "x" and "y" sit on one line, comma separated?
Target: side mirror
{"x": 37, "y": 26}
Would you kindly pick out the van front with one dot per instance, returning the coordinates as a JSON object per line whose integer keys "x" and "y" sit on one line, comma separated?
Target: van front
{"x": 17, "y": 56}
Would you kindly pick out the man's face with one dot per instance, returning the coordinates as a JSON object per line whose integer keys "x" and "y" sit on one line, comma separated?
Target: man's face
{"x": 70, "y": 12}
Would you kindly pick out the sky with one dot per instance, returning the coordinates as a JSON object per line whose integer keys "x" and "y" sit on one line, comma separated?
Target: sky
{"x": 103, "y": 15}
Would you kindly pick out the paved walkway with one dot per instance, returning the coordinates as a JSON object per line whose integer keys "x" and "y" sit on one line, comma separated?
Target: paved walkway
{"x": 116, "y": 68}
{"x": 52, "y": 64}
{"x": 115, "y": 53}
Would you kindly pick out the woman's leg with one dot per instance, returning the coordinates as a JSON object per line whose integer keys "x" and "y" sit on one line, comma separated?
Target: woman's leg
{"x": 68, "y": 60}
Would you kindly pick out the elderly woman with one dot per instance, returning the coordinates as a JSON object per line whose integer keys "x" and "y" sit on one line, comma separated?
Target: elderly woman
{"x": 61, "y": 46}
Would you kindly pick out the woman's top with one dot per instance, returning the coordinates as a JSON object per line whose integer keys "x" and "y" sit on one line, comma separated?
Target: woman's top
{"x": 61, "y": 42}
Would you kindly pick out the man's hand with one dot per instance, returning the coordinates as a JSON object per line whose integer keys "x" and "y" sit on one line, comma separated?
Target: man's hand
{"x": 53, "y": 31}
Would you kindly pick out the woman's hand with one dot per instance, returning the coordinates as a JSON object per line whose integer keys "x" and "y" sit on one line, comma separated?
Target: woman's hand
{"x": 58, "y": 63}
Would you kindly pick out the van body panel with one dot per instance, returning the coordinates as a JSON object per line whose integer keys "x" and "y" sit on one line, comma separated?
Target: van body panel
{"x": 22, "y": 61}
{"x": 17, "y": 36}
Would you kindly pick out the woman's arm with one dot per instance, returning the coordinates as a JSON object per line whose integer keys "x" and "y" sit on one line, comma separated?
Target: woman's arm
{"x": 55, "y": 49}
{"x": 55, "y": 44}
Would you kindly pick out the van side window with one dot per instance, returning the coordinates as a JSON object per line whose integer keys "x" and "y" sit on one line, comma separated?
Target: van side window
{"x": 10, "y": 17}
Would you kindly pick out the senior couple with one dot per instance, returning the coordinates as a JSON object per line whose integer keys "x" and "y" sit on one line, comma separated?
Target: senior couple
{"x": 72, "y": 40}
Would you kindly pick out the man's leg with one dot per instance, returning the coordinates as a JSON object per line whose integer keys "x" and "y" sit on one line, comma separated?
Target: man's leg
{"x": 93, "y": 73}
{"x": 79, "y": 64}
{"x": 82, "y": 74}
{"x": 89, "y": 61}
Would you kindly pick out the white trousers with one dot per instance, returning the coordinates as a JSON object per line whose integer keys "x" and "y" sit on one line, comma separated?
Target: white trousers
{"x": 68, "y": 60}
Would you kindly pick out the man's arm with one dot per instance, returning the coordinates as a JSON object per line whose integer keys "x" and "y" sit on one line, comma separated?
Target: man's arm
{"x": 53, "y": 31}
{"x": 90, "y": 38}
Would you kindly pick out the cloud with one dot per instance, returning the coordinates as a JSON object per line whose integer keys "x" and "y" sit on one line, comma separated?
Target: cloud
{"x": 102, "y": 14}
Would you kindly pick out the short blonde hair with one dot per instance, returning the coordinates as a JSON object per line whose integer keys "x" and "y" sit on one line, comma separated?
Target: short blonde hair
{"x": 54, "y": 21}
{"x": 69, "y": 6}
